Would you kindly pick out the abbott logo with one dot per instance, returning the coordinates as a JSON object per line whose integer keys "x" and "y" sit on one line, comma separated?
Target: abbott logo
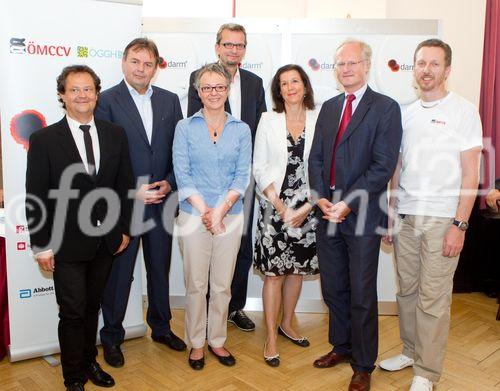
{"x": 24, "y": 293}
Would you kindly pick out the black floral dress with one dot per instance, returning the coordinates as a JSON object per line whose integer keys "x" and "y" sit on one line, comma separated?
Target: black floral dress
{"x": 279, "y": 249}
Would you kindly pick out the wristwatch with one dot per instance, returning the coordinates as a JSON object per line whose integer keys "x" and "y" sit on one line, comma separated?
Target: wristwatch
{"x": 462, "y": 225}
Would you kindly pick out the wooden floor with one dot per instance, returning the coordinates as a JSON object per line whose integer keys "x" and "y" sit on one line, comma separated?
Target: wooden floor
{"x": 472, "y": 361}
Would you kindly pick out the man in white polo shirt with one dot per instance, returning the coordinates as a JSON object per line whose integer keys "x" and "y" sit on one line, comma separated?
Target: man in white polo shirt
{"x": 432, "y": 195}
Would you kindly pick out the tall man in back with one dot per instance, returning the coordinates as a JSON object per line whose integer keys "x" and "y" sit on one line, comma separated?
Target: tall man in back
{"x": 353, "y": 156}
{"x": 246, "y": 102}
{"x": 436, "y": 183}
{"x": 149, "y": 115}
{"x": 70, "y": 163}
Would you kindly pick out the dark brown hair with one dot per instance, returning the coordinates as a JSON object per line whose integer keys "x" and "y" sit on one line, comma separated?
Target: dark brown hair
{"x": 279, "y": 103}
{"x": 143, "y": 43}
{"x": 61, "y": 79}
{"x": 436, "y": 43}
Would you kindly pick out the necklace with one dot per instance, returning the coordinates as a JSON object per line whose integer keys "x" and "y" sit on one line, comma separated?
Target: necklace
{"x": 213, "y": 128}
{"x": 437, "y": 102}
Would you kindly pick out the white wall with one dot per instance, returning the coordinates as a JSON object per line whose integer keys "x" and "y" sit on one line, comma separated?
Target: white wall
{"x": 462, "y": 24}
{"x": 463, "y": 28}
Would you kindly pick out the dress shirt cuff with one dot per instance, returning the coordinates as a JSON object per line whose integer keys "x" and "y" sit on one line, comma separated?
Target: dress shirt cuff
{"x": 187, "y": 192}
{"x": 44, "y": 253}
{"x": 238, "y": 187}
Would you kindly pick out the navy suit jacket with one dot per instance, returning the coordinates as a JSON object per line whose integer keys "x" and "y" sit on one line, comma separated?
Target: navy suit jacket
{"x": 365, "y": 159}
{"x": 253, "y": 100}
{"x": 152, "y": 160}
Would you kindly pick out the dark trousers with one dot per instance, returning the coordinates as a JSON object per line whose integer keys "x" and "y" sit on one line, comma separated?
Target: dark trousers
{"x": 239, "y": 285}
{"x": 157, "y": 248}
{"x": 348, "y": 269}
{"x": 79, "y": 286}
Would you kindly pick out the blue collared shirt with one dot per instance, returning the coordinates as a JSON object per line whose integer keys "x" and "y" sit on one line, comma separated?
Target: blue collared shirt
{"x": 208, "y": 169}
{"x": 144, "y": 107}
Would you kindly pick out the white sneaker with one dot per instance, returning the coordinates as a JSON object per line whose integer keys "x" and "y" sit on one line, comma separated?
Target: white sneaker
{"x": 420, "y": 383}
{"x": 396, "y": 363}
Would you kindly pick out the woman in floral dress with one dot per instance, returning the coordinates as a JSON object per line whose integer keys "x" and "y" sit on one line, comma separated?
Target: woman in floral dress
{"x": 285, "y": 248}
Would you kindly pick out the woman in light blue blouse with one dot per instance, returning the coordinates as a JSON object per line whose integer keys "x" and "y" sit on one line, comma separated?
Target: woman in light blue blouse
{"x": 212, "y": 155}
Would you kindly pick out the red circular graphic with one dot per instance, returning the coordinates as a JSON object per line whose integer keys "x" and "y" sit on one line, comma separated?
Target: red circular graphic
{"x": 162, "y": 64}
{"x": 24, "y": 124}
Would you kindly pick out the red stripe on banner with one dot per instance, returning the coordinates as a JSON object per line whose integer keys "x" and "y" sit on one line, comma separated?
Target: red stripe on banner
{"x": 234, "y": 8}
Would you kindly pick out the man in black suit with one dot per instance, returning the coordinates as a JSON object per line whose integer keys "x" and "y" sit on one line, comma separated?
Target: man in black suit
{"x": 149, "y": 115}
{"x": 77, "y": 181}
{"x": 353, "y": 156}
{"x": 246, "y": 102}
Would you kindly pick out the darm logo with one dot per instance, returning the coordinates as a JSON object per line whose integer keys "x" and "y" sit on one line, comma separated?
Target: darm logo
{"x": 395, "y": 67}
{"x": 315, "y": 65}
{"x": 252, "y": 65}
{"x": 172, "y": 64}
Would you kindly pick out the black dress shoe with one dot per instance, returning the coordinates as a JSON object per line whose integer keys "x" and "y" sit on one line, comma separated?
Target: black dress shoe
{"x": 241, "y": 320}
{"x": 75, "y": 387}
{"x": 272, "y": 361}
{"x": 113, "y": 355}
{"x": 97, "y": 376}
{"x": 171, "y": 340}
{"x": 228, "y": 361}
{"x": 302, "y": 341}
{"x": 196, "y": 364}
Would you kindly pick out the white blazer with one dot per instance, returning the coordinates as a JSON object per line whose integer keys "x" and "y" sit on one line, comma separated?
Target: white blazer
{"x": 270, "y": 155}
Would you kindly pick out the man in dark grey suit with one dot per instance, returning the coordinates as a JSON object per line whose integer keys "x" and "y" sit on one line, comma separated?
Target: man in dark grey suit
{"x": 353, "y": 156}
{"x": 149, "y": 115}
{"x": 246, "y": 102}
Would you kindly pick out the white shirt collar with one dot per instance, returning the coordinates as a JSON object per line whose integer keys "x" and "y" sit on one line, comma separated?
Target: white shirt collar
{"x": 236, "y": 77}
{"x": 74, "y": 124}
{"x": 359, "y": 93}
{"x": 134, "y": 92}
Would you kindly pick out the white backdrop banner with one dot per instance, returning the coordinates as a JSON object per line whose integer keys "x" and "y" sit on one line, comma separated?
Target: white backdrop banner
{"x": 38, "y": 40}
{"x": 189, "y": 42}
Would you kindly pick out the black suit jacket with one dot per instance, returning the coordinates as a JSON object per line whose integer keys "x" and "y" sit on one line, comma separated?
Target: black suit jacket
{"x": 253, "y": 100}
{"x": 154, "y": 160}
{"x": 365, "y": 159}
{"x": 52, "y": 150}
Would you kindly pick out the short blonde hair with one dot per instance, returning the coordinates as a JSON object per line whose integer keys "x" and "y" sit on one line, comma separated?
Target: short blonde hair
{"x": 214, "y": 67}
{"x": 365, "y": 48}
{"x": 230, "y": 27}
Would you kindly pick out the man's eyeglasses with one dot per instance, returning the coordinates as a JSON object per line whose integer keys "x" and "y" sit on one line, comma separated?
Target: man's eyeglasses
{"x": 348, "y": 64}
{"x": 230, "y": 45}
{"x": 217, "y": 88}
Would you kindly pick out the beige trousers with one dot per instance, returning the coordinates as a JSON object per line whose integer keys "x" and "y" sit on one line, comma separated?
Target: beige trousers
{"x": 425, "y": 286}
{"x": 208, "y": 259}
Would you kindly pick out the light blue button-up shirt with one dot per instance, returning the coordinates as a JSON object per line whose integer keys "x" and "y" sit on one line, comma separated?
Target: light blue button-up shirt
{"x": 208, "y": 169}
{"x": 143, "y": 104}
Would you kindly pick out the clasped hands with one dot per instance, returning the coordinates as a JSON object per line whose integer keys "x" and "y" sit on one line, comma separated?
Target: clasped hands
{"x": 212, "y": 220}
{"x": 294, "y": 217}
{"x": 335, "y": 213}
{"x": 153, "y": 193}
